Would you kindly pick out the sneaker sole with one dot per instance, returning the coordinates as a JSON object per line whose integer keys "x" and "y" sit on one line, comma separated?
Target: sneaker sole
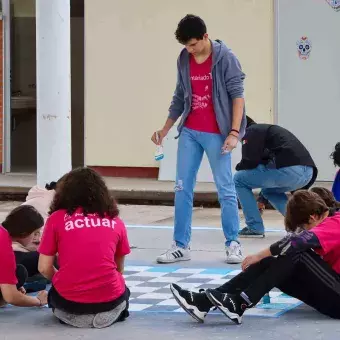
{"x": 234, "y": 261}
{"x": 232, "y": 316}
{"x": 173, "y": 261}
{"x": 251, "y": 236}
{"x": 184, "y": 305}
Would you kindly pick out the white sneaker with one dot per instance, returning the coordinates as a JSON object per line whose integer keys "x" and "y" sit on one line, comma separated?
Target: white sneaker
{"x": 175, "y": 254}
{"x": 234, "y": 253}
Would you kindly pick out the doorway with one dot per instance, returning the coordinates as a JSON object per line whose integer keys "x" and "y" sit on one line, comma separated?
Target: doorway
{"x": 23, "y": 140}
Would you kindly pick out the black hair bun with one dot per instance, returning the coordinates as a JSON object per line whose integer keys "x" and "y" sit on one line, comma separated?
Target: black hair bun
{"x": 51, "y": 186}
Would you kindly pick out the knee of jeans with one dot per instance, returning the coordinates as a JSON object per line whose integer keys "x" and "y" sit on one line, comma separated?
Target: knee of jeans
{"x": 227, "y": 192}
{"x": 238, "y": 178}
{"x": 179, "y": 185}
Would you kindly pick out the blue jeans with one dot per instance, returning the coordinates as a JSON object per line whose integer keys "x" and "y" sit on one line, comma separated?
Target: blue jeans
{"x": 274, "y": 184}
{"x": 191, "y": 146}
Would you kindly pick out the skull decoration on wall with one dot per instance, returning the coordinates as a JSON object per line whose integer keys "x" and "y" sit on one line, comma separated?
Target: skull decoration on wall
{"x": 335, "y": 4}
{"x": 304, "y": 46}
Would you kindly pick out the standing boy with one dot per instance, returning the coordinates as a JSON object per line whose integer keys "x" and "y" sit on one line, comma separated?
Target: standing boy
{"x": 209, "y": 100}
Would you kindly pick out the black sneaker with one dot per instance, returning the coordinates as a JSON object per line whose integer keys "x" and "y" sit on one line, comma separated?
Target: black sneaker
{"x": 232, "y": 306}
{"x": 195, "y": 304}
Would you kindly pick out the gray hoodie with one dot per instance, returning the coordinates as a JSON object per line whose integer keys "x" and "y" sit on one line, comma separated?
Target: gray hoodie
{"x": 227, "y": 85}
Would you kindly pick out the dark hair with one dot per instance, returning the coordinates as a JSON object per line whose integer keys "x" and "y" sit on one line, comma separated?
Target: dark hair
{"x": 84, "y": 188}
{"x": 190, "y": 27}
{"x": 51, "y": 186}
{"x": 23, "y": 221}
{"x": 328, "y": 198}
{"x": 335, "y": 155}
{"x": 301, "y": 206}
{"x": 250, "y": 121}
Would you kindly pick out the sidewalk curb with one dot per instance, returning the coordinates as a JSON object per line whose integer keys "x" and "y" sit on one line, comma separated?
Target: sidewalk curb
{"x": 137, "y": 197}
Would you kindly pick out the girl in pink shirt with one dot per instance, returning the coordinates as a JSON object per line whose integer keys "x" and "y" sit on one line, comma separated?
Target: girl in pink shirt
{"x": 88, "y": 289}
{"x": 305, "y": 265}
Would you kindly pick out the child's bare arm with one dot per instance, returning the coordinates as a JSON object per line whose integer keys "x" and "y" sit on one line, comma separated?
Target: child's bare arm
{"x": 120, "y": 263}
{"x": 46, "y": 266}
{"x": 14, "y": 297}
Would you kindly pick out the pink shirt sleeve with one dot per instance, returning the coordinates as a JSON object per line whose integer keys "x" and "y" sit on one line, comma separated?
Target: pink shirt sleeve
{"x": 8, "y": 265}
{"x": 328, "y": 233}
{"x": 48, "y": 245}
{"x": 123, "y": 247}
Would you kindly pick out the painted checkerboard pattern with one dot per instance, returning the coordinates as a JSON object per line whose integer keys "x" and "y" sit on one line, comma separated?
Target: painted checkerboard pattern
{"x": 150, "y": 292}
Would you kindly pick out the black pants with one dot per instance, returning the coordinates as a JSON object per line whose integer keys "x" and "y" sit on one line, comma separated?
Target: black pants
{"x": 55, "y": 300}
{"x": 21, "y": 274}
{"x": 29, "y": 261}
{"x": 306, "y": 276}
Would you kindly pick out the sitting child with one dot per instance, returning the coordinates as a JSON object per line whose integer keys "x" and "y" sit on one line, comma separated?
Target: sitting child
{"x": 84, "y": 229}
{"x": 19, "y": 227}
{"x": 299, "y": 265}
{"x": 336, "y": 184}
{"x": 40, "y": 199}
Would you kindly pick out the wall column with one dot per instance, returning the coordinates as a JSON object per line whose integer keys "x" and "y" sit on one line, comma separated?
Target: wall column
{"x": 54, "y": 155}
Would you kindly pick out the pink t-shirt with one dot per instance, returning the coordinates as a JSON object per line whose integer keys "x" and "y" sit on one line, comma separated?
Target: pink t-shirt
{"x": 328, "y": 234}
{"x": 86, "y": 247}
{"x": 202, "y": 116}
{"x": 7, "y": 259}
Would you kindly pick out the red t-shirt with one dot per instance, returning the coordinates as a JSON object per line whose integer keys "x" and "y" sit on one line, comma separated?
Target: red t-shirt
{"x": 7, "y": 259}
{"x": 202, "y": 116}
{"x": 328, "y": 234}
{"x": 86, "y": 247}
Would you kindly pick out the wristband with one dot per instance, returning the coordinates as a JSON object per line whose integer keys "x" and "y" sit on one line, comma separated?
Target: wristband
{"x": 234, "y": 130}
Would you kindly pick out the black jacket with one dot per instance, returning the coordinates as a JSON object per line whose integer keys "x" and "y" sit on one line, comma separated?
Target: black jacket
{"x": 275, "y": 147}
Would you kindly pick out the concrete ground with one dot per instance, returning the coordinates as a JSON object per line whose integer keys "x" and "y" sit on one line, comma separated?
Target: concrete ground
{"x": 149, "y": 229}
{"x": 14, "y": 186}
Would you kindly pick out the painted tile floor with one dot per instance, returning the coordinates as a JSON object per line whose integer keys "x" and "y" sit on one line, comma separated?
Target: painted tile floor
{"x": 150, "y": 292}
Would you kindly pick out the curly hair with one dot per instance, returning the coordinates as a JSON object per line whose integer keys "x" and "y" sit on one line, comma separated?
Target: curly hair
{"x": 301, "y": 206}
{"x": 23, "y": 221}
{"x": 335, "y": 155}
{"x": 190, "y": 27}
{"x": 84, "y": 188}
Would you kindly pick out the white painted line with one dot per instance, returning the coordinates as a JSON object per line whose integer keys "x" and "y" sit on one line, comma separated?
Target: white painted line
{"x": 136, "y": 226}
{"x": 136, "y": 268}
{"x": 155, "y": 296}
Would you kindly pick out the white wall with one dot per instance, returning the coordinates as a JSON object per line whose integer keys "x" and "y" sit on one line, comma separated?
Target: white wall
{"x": 130, "y": 68}
{"x": 309, "y": 90}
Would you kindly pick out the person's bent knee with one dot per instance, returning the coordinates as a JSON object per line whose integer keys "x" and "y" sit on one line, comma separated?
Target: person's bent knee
{"x": 239, "y": 178}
